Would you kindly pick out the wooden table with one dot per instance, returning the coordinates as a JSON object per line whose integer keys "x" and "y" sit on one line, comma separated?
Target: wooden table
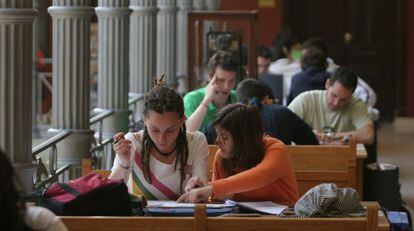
{"x": 375, "y": 220}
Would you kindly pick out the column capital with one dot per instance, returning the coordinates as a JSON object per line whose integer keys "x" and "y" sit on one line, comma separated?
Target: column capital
{"x": 17, "y": 16}
{"x": 112, "y": 11}
{"x": 71, "y": 11}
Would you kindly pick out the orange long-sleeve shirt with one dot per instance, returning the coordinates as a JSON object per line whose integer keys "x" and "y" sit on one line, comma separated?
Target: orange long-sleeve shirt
{"x": 272, "y": 179}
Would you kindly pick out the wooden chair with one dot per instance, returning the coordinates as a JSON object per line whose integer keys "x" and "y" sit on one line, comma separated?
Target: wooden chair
{"x": 316, "y": 164}
{"x": 87, "y": 168}
{"x": 200, "y": 222}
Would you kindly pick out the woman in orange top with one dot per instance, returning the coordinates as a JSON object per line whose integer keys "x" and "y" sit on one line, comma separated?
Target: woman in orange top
{"x": 248, "y": 166}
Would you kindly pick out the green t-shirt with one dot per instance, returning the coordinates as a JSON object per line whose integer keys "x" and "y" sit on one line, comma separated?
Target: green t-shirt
{"x": 193, "y": 99}
{"x": 312, "y": 107}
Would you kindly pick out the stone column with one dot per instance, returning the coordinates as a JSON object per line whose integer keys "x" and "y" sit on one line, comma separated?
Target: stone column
{"x": 182, "y": 33}
{"x": 71, "y": 78}
{"x": 16, "y": 60}
{"x": 142, "y": 45}
{"x": 166, "y": 40}
{"x": 113, "y": 63}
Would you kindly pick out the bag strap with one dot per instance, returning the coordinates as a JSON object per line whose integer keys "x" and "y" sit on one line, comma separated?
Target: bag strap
{"x": 68, "y": 189}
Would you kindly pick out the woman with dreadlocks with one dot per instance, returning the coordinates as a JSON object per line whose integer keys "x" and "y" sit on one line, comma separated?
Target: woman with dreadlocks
{"x": 164, "y": 160}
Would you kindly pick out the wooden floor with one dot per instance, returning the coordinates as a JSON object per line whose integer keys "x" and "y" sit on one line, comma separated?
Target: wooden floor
{"x": 396, "y": 146}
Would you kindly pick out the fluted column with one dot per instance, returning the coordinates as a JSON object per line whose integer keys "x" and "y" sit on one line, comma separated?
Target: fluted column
{"x": 16, "y": 59}
{"x": 71, "y": 77}
{"x": 166, "y": 40}
{"x": 182, "y": 33}
{"x": 113, "y": 63}
{"x": 142, "y": 45}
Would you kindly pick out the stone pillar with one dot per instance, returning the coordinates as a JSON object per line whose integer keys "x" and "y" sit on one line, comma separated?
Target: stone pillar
{"x": 16, "y": 60}
{"x": 166, "y": 40}
{"x": 142, "y": 45}
{"x": 182, "y": 33}
{"x": 113, "y": 63}
{"x": 71, "y": 78}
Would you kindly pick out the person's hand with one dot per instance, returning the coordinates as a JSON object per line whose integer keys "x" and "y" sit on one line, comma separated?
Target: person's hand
{"x": 122, "y": 147}
{"x": 198, "y": 195}
{"x": 211, "y": 90}
{"x": 319, "y": 135}
{"x": 193, "y": 182}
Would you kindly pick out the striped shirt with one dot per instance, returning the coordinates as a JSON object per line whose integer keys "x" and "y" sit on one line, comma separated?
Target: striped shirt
{"x": 164, "y": 177}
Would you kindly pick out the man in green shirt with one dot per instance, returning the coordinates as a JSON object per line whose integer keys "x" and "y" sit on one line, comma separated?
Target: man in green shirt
{"x": 336, "y": 108}
{"x": 202, "y": 104}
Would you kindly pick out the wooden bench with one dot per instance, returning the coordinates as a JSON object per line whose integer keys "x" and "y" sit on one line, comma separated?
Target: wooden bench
{"x": 316, "y": 164}
{"x": 312, "y": 165}
{"x": 200, "y": 222}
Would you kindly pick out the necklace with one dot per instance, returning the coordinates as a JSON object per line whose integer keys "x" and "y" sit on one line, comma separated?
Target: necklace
{"x": 165, "y": 153}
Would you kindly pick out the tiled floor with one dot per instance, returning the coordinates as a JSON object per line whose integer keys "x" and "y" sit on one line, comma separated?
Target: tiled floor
{"x": 396, "y": 146}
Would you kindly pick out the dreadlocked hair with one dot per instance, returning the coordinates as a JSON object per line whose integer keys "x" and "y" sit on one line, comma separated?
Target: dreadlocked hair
{"x": 164, "y": 99}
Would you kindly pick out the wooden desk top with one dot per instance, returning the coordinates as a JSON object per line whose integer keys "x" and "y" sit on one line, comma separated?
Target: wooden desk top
{"x": 361, "y": 151}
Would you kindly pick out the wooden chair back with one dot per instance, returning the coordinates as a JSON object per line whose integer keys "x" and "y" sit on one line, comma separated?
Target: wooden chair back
{"x": 317, "y": 164}
{"x": 87, "y": 168}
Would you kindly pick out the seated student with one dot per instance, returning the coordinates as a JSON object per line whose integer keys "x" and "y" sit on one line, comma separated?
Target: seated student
{"x": 264, "y": 58}
{"x": 202, "y": 104}
{"x": 163, "y": 160}
{"x": 275, "y": 82}
{"x": 336, "y": 109}
{"x": 362, "y": 91}
{"x": 14, "y": 215}
{"x": 313, "y": 75}
{"x": 248, "y": 166}
{"x": 287, "y": 53}
{"x": 279, "y": 121}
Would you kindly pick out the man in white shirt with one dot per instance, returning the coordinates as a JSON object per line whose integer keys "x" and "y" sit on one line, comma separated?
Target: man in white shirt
{"x": 336, "y": 108}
